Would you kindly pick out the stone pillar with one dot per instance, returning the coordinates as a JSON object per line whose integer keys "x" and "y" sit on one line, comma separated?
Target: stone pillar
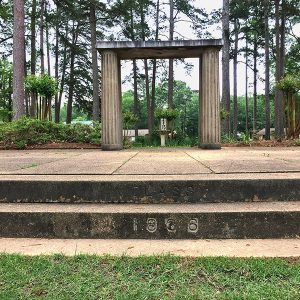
{"x": 209, "y": 108}
{"x": 111, "y": 111}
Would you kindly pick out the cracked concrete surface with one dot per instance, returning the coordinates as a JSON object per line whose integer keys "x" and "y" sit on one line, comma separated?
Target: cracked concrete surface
{"x": 154, "y": 164}
{"x": 179, "y": 161}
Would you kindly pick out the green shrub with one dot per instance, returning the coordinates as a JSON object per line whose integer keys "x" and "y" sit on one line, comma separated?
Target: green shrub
{"x": 229, "y": 139}
{"x": 297, "y": 142}
{"x": 43, "y": 85}
{"x": 129, "y": 119}
{"x": 179, "y": 140}
{"x": 289, "y": 84}
{"x": 166, "y": 113}
{"x": 32, "y": 83}
{"x": 26, "y": 132}
{"x": 224, "y": 114}
{"x": 245, "y": 137}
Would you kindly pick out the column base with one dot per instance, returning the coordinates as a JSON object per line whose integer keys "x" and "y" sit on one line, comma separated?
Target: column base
{"x": 210, "y": 146}
{"x": 111, "y": 147}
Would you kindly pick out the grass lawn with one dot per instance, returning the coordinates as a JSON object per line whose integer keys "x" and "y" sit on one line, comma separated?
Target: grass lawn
{"x": 165, "y": 277}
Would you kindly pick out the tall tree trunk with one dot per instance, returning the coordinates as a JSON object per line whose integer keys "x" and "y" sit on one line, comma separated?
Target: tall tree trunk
{"x": 246, "y": 88}
{"x": 96, "y": 98}
{"x": 72, "y": 75}
{"x": 142, "y": 13}
{"x": 57, "y": 104}
{"x": 18, "y": 60}
{"x": 42, "y": 55}
{"x": 10, "y": 100}
{"x": 225, "y": 66}
{"x": 297, "y": 118}
{"x": 153, "y": 93}
{"x": 154, "y": 66}
{"x": 48, "y": 106}
{"x": 42, "y": 25}
{"x": 255, "y": 53}
{"x": 279, "y": 101}
{"x": 235, "y": 62}
{"x": 27, "y": 104}
{"x": 267, "y": 71}
{"x": 47, "y": 40}
{"x": 171, "y": 61}
{"x": 282, "y": 57}
{"x": 71, "y": 87}
{"x": 62, "y": 83}
{"x": 33, "y": 96}
{"x": 291, "y": 109}
{"x": 136, "y": 109}
{"x": 135, "y": 98}
{"x": 148, "y": 95}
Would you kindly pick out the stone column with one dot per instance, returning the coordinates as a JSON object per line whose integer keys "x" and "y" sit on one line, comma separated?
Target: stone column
{"x": 209, "y": 108}
{"x": 111, "y": 111}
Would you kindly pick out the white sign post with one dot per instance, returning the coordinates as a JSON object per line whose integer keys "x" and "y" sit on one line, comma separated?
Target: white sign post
{"x": 163, "y": 131}
{"x": 163, "y": 124}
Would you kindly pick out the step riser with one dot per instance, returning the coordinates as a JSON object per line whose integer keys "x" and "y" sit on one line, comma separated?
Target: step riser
{"x": 151, "y": 226}
{"x": 179, "y": 191}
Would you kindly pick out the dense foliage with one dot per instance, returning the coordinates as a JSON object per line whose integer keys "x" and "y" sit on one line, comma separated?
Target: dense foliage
{"x": 5, "y": 90}
{"x": 60, "y": 39}
{"x": 129, "y": 119}
{"x": 289, "y": 84}
{"x": 27, "y": 132}
{"x": 166, "y": 113}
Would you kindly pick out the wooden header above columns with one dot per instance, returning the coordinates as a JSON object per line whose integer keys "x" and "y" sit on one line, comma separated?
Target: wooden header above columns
{"x": 159, "y": 49}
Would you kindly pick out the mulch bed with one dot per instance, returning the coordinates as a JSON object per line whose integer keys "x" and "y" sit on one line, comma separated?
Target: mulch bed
{"x": 287, "y": 143}
{"x": 57, "y": 145}
{"x": 66, "y": 145}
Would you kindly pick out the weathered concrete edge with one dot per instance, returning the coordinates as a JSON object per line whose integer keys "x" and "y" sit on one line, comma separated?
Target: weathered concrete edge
{"x": 153, "y": 178}
{"x": 198, "y": 208}
{"x": 186, "y": 248}
{"x": 233, "y": 225}
{"x": 114, "y": 45}
{"x": 176, "y": 191}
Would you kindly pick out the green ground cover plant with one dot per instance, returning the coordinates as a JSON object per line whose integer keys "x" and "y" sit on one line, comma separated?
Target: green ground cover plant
{"x": 27, "y": 132}
{"x": 164, "y": 277}
{"x": 154, "y": 141}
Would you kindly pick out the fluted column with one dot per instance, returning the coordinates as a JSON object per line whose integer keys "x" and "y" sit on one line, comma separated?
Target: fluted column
{"x": 209, "y": 116}
{"x": 111, "y": 102}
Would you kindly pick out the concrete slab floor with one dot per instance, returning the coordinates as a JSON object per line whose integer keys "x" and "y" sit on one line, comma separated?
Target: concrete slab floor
{"x": 162, "y": 163}
{"x": 85, "y": 163}
{"x": 193, "y": 248}
{"x": 155, "y": 161}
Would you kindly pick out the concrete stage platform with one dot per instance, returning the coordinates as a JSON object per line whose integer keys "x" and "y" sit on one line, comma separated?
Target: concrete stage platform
{"x": 232, "y": 202}
{"x": 136, "y": 163}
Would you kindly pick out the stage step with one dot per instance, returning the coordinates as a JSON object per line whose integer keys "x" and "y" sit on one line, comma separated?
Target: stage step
{"x": 254, "y": 220}
{"x": 210, "y": 189}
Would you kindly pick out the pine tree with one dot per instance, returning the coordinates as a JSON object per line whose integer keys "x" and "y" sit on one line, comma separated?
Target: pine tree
{"x": 19, "y": 60}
